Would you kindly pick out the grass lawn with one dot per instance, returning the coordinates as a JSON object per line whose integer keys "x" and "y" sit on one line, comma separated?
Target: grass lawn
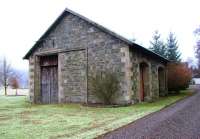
{"x": 21, "y": 120}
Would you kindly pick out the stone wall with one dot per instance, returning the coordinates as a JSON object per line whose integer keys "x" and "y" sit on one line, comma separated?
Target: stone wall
{"x": 102, "y": 51}
{"x": 34, "y": 80}
{"x": 73, "y": 76}
{"x": 31, "y": 79}
{"x": 82, "y": 50}
{"x": 137, "y": 57}
{"x": 109, "y": 57}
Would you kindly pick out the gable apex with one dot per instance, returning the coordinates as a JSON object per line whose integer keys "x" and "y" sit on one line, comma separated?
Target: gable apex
{"x": 102, "y": 28}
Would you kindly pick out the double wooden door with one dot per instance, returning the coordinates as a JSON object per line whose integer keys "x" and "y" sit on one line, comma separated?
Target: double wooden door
{"x": 49, "y": 84}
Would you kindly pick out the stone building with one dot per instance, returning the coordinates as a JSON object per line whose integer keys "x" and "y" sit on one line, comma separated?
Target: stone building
{"x": 73, "y": 47}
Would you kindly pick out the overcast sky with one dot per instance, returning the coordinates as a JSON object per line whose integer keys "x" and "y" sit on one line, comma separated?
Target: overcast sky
{"x": 22, "y": 22}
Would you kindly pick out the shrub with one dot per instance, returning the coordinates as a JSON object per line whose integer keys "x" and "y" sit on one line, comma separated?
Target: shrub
{"x": 179, "y": 76}
{"x": 105, "y": 86}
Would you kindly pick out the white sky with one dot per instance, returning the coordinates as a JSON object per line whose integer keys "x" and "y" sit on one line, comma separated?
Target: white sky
{"x": 22, "y": 22}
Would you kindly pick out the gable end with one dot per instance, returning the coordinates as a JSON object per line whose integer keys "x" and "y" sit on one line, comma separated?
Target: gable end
{"x": 68, "y": 11}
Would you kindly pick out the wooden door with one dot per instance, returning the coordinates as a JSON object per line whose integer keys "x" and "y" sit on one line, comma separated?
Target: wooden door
{"x": 141, "y": 84}
{"x": 54, "y": 84}
{"x": 161, "y": 81}
{"x": 45, "y": 85}
{"x": 49, "y": 84}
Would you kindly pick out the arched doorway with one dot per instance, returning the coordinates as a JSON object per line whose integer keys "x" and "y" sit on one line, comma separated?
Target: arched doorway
{"x": 144, "y": 80}
{"x": 161, "y": 81}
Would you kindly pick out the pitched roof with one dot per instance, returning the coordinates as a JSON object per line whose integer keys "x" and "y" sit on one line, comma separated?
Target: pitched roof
{"x": 130, "y": 43}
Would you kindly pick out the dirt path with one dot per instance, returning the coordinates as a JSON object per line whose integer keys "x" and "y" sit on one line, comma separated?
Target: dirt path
{"x": 179, "y": 121}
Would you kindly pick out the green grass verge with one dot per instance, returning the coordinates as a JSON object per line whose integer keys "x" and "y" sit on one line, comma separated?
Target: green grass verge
{"x": 21, "y": 120}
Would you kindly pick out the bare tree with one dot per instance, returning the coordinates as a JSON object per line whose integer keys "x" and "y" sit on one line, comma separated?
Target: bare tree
{"x": 14, "y": 83}
{"x": 197, "y": 48}
{"x": 6, "y": 73}
{"x": 191, "y": 62}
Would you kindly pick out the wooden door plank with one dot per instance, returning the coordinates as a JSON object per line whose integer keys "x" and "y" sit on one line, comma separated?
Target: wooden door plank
{"x": 54, "y": 84}
{"x": 45, "y": 85}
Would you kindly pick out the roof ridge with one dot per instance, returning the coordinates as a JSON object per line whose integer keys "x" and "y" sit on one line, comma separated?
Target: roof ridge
{"x": 96, "y": 25}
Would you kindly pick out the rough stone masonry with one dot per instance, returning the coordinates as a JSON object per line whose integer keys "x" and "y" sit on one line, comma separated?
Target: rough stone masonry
{"x": 83, "y": 47}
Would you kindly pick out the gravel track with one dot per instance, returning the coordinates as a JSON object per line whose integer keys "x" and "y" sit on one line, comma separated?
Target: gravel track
{"x": 179, "y": 121}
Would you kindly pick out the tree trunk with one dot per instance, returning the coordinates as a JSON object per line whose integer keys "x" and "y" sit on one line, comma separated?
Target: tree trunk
{"x": 5, "y": 87}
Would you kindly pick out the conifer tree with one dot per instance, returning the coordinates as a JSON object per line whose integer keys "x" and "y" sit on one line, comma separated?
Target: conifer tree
{"x": 157, "y": 45}
{"x": 173, "y": 53}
